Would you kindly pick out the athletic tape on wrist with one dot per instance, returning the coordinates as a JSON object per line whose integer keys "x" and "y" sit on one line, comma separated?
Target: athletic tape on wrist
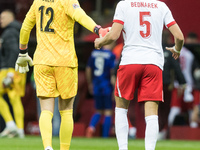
{"x": 176, "y": 50}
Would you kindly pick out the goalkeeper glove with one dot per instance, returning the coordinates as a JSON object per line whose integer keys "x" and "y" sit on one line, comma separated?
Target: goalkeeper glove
{"x": 101, "y": 32}
{"x": 22, "y": 62}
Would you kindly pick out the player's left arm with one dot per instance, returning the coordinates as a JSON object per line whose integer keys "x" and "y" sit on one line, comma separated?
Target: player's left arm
{"x": 74, "y": 10}
{"x": 179, "y": 41}
{"x": 82, "y": 18}
{"x": 110, "y": 37}
{"x": 24, "y": 59}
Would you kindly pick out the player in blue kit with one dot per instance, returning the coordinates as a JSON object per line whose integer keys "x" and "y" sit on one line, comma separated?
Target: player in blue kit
{"x": 100, "y": 76}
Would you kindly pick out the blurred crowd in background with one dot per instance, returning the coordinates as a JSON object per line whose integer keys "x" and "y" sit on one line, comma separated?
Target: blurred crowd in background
{"x": 181, "y": 79}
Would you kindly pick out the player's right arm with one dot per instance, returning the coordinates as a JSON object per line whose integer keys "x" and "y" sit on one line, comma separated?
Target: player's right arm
{"x": 27, "y": 26}
{"x": 23, "y": 59}
{"x": 110, "y": 37}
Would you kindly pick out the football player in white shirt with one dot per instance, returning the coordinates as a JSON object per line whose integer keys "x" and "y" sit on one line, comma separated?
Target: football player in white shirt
{"x": 189, "y": 97}
{"x": 141, "y": 22}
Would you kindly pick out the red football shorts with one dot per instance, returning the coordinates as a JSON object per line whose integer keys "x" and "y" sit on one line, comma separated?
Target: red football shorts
{"x": 147, "y": 78}
{"x": 177, "y": 101}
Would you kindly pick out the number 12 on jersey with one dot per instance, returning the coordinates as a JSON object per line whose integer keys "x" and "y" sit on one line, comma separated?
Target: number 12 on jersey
{"x": 47, "y": 26}
{"x": 146, "y": 23}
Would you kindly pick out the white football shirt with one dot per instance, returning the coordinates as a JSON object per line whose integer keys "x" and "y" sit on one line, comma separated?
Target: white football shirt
{"x": 143, "y": 22}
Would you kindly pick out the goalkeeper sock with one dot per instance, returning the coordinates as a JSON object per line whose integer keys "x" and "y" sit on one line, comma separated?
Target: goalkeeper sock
{"x": 5, "y": 110}
{"x": 45, "y": 124}
{"x": 66, "y": 129}
{"x": 18, "y": 109}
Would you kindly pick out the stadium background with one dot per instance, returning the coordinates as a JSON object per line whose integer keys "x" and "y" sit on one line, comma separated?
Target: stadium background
{"x": 185, "y": 12}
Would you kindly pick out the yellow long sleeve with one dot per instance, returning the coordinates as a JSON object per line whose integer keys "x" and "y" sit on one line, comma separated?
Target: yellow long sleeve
{"x": 25, "y": 31}
{"x": 81, "y": 17}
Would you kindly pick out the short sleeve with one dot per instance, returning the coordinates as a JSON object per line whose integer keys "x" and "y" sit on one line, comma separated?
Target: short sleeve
{"x": 168, "y": 19}
{"x": 119, "y": 13}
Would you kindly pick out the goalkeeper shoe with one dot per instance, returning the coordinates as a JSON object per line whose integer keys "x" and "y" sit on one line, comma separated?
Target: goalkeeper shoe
{"x": 9, "y": 131}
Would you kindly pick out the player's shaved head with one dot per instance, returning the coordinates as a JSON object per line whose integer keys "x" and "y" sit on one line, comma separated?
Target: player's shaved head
{"x": 7, "y": 16}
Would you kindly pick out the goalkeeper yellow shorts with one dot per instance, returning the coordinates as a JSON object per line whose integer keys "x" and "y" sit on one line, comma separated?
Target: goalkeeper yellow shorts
{"x": 19, "y": 82}
{"x": 54, "y": 81}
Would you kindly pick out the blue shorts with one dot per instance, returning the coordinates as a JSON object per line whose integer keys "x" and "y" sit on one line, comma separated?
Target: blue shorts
{"x": 103, "y": 102}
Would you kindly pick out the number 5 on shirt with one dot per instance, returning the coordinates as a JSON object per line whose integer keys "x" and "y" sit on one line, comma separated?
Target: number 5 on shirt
{"x": 146, "y": 23}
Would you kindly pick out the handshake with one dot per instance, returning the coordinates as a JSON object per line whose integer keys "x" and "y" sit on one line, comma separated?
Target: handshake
{"x": 101, "y": 32}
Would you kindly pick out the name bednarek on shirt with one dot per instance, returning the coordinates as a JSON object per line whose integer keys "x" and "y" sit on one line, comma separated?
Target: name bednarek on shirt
{"x": 144, "y": 4}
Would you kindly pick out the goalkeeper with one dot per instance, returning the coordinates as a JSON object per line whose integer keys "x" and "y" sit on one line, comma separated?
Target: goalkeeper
{"x": 12, "y": 83}
{"x": 55, "y": 61}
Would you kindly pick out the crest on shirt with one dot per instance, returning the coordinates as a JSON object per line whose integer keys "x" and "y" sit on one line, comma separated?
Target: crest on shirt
{"x": 75, "y": 6}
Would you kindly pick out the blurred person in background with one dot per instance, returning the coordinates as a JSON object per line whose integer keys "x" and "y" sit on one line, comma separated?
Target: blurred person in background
{"x": 194, "y": 121}
{"x": 101, "y": 79}
{"x": 184, "y": 102}
{"x": 12, "y": 82}
{"x": 171, "y": 70}
{"x": 195, "y": 116}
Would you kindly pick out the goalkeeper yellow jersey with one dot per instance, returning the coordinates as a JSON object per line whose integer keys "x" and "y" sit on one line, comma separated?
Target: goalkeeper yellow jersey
{"x": 54, "y": 21}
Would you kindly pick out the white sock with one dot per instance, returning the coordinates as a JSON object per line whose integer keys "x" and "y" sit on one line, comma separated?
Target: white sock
{"x": 174, "y": 111}
{"x": 11, "y": 124}
{"x": 151, "y": 133}
{"x": 121, "y": 128}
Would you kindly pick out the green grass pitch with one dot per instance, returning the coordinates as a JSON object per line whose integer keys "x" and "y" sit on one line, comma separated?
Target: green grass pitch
{"x": 35, "y": 143}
